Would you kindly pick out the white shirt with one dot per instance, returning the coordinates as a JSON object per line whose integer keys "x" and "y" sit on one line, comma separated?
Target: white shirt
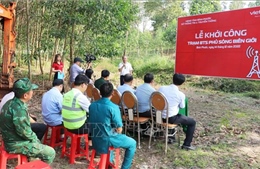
{"x": 175, "y": 98}
{"x": 5, "y": 99}
{"x": 125, "y": 70}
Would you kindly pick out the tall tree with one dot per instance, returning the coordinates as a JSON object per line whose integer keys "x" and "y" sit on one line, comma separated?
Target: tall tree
{"x": 253, "y": 4}
{"x": 204, "y": 6}
{"x": 236, "y": 5}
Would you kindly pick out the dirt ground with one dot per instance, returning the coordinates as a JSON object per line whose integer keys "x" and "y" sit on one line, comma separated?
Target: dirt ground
{"x": 222, "y": 120}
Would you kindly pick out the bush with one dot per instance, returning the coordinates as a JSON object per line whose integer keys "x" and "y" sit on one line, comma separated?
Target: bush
{"x": 227, "y": 85}
{"x": 161, "y": 67}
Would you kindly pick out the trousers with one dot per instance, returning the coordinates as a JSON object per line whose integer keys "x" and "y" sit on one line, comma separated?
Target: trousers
{"x": 127, "y": 143}
{"x": 36, "y": 150}
{"x": 184, "y": 120}
{"x": 39, "y": 129}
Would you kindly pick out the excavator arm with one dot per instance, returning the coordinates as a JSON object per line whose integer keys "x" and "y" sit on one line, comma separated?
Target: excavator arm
{"x": 7, "y": 17}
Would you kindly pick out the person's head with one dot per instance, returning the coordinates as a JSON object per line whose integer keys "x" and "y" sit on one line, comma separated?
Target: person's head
{"x": 128, "y": 78}
{"x": 105, "y": 74}
{"x": 178, "y": 79}
{"x": 58, "y": 83}
{"x": 148, "y": 78}
{"x": 57, "y": 58}
{"x": 23, "y": 89}
{"x": 124, "y": 58}
{"x": 106, "y": 89}
{"x": 89, "y": 73}
{"x": 78, "y": 60}
{"x": 81, "y": 82}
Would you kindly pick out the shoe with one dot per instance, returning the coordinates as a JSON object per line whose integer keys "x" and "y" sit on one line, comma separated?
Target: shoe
{"x": 171, "y": 140}
{"x": 188, "y": 147}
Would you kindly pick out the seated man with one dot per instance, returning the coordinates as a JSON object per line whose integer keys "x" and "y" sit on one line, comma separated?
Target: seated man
{"x": 52, "y": 104}
{"x": 128, "y": 80}
{"x": 176, "y": 100}
{"x": 75, "y": 106}
{"x": 103, "y": 79}
{"x": 15, "y": 125}
{"x": 106, "y": 126}
{"x": 38, "y": 128}
{"x": 143, "y": 93}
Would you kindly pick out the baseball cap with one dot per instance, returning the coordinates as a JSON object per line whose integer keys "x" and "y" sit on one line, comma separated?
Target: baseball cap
{"x": 77, "y": 59}
{"x": 23, "y": 85}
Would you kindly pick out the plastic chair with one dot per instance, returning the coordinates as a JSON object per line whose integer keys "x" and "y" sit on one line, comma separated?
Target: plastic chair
{"x": 37, "y": 164}
{"x": 158, "y": 103}
{"x": 95, "y": 94}
{"x": 55, "y": 138}
{"x": 75, "y": 150}
{"x": 130, "y": 112}
{"x": 104, "y": 161}
{"x": 5, "y": 156}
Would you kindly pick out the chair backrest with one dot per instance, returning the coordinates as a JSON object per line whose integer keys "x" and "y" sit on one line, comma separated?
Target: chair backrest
{"x": 158, "y": 102}
{"x": 96, "y": 94}
{"x": 116, "y": 97}
{"x": 129, "y": 105}
{"x": 89, "y": 91}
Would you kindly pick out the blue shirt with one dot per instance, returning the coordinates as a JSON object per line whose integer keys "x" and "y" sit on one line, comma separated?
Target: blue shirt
{"x": 143, "y": 93}
{"x": 51, "y": 107}
{"x": 125, "y": 87}
{"x": 104, "y": 117}
{"x": 75, "y": 70}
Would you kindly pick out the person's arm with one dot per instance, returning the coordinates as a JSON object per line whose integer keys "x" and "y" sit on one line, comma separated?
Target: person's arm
{"x": 131, "y": 69}
{"x": 84, "y": 102}
{"x": 116, "y": 119}
{"x": 120, "y": 67}
{"x": 22, "y": 125}
{"x": 182, "y": 102}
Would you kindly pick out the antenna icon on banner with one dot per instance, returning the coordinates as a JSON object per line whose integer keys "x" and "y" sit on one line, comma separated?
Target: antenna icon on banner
{"x": 250, "y": 52}
{"x": 255, "y": 66}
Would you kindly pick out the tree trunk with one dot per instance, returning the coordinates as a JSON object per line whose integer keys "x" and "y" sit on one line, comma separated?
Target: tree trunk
{"x": 28, "y": 40}
{"x": 71, "y": 43}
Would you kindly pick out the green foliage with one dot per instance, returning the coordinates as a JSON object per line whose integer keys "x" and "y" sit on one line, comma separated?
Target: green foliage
{"x": 204, "y": 6}
{"x": 161, "y": 67}
{"x": 163, "y": 12}
{"x": 227, "y": 85}
{"x": 236, "y": 5}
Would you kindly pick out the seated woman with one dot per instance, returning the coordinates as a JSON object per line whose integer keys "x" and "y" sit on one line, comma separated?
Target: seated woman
{"x": 89, "y": 74}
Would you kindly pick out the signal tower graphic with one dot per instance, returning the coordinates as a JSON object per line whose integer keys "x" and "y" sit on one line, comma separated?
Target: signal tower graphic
{"x": 255, "y": 66}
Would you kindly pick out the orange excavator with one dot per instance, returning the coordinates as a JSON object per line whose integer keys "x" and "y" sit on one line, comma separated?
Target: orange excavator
{"x": 7, "y": 19}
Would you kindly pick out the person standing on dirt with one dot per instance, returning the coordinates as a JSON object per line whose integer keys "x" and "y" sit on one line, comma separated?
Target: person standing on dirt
{"x": 57, "y": 67}
{"x": 75, "y": 106}
{"x": 176, "y": 100}
{"x": 16, "y": 128}
{"x": 143, "y": 93}
{"x": 106, "y": 126}
{"x": 76, "y": 69}
{"x": 103, "y": 79}
{"x": 52, "y": 104}
{"x": 124, "y": 68}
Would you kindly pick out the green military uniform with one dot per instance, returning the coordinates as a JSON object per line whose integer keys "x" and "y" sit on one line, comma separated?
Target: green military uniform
{"x": 16, "y": 130}
{"x": 99, "y": 82}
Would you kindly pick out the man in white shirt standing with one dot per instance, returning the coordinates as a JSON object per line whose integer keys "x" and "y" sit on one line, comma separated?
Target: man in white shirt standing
{"x": 176, "y": 100}
{"x": 124, "y": 68}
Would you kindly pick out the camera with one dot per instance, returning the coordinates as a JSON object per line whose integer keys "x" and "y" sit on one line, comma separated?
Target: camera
{"x": 89, "y": 58}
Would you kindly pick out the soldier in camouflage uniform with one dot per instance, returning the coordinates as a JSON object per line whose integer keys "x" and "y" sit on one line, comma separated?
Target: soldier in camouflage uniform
{"x": 15, "y": 126}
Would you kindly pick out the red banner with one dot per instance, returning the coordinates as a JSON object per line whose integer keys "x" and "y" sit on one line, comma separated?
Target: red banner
{"x": 223, "y": 44}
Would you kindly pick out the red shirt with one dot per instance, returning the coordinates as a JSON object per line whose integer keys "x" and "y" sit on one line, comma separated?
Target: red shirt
{"x": 57, "y": 66}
